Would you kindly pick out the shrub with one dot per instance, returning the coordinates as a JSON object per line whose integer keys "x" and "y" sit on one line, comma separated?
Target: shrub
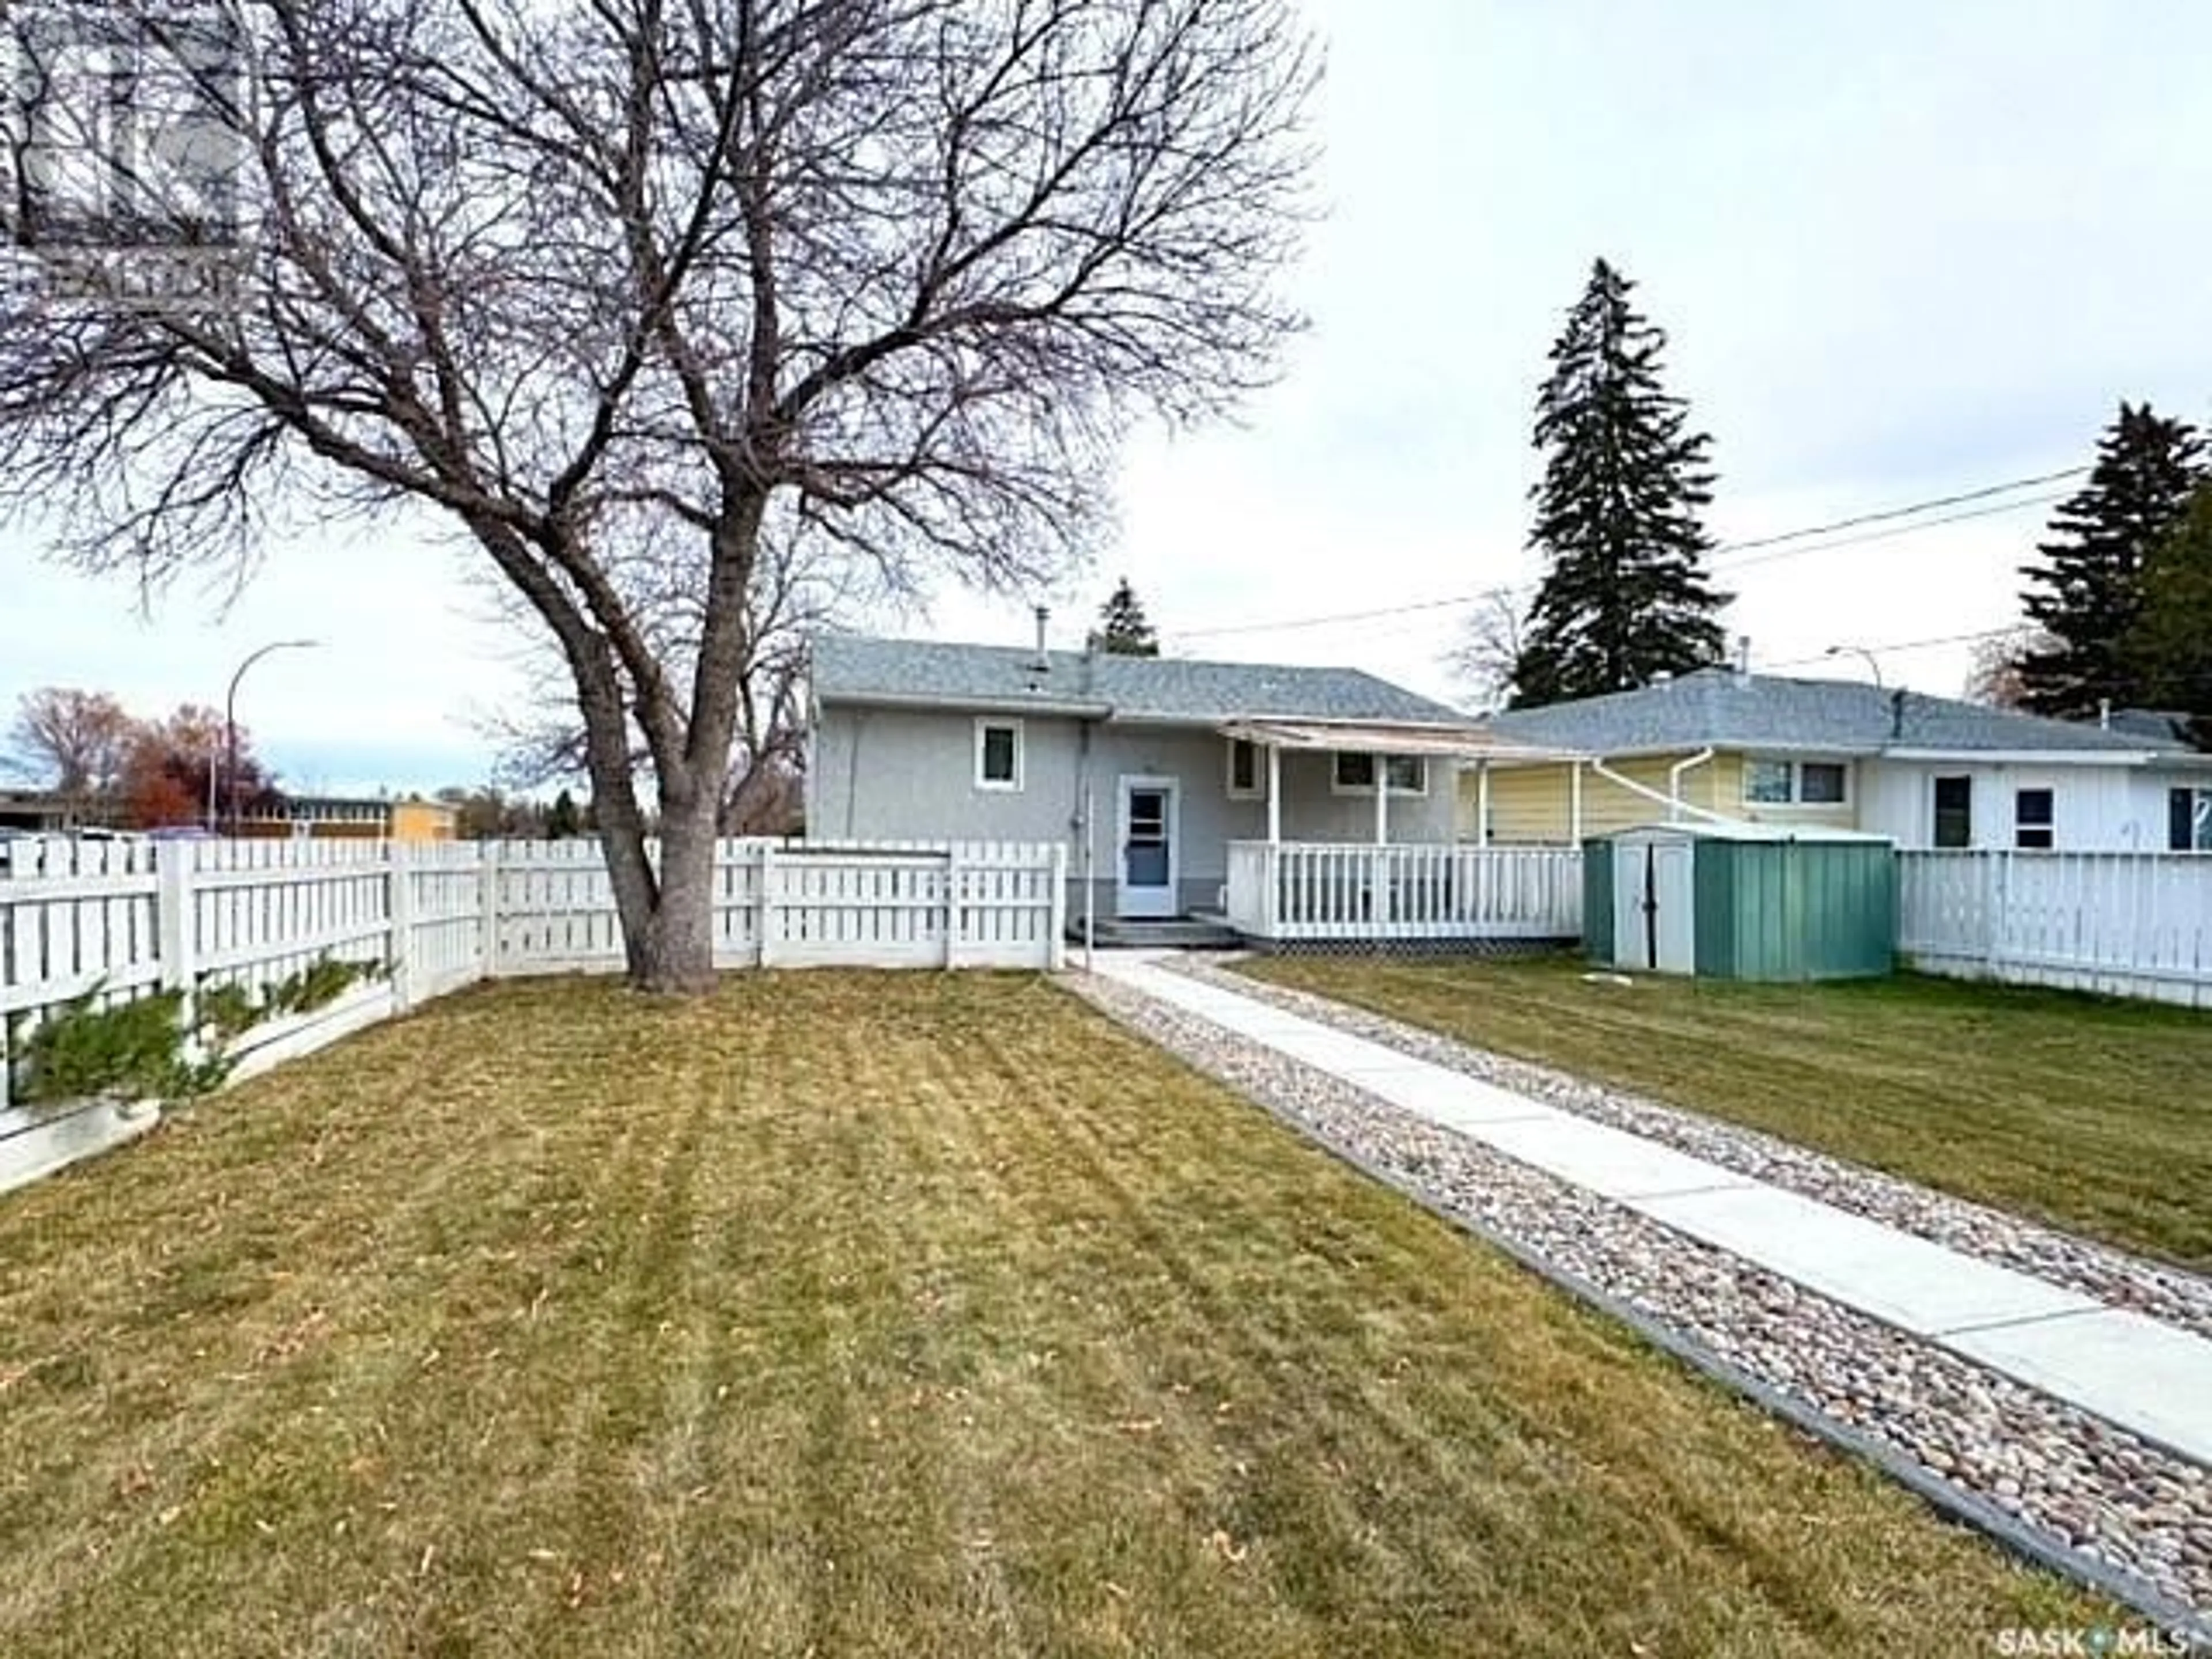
{"x": 136, "y": 1049}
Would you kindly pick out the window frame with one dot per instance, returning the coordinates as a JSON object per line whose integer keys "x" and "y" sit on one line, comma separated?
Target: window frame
{"x": 1965, "y": 814}
{"x": 2046, "y": 826}
{"x": 2192, "y": 820}
{"x": 1792, "y": 768}
{"x": 986, "y": 723}
{"x": 1337, "y": 786}
{"x": 1253, "y": 790}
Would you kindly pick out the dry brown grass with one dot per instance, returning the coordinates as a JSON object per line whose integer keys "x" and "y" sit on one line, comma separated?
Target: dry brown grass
{"x": 908, "y": 1315}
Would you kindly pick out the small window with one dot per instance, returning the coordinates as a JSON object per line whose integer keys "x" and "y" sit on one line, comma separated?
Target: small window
{"x": 997, "y": 753}
{"x": 1766, "y": 781}
{"x": 1243, "y": 768}
{"x": 2032, "y": 819}
{"x": 1409, "y": 774}
{"x": 1355, "y": 773}
{"x": 2189, "y": 821}
{"x": 1955, "y": 811}
{"x": 1822, "y": 783}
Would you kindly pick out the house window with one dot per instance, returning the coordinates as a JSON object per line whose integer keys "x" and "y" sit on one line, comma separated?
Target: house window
{"x": 2033, "y": 813}
{"x": 1243, "y": 769}
{"x": 1355, "y": 773}
{"x": 1796, "y": 783}
{"x": 1766, "y": 781}
{"x": 1822, "y": 783}
{"x": 997, "y": 753}
{"x": 2189, "y": 820}
{"x": 1955, "y": 811}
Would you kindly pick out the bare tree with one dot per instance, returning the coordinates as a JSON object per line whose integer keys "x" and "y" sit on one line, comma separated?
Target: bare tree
{"x": 73, "y": 742}
{"x": 1995, "y": 675}
{"x": 1489, "y": 650}
{"x": 613, "y": 289}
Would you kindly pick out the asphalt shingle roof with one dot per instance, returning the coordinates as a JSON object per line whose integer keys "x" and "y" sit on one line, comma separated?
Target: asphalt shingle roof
{"x": 856, "y": 668}
{"x": 1716, "y": 706}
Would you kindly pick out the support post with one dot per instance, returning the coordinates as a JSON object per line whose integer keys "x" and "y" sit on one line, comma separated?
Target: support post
{"x": 1090, "y": 877}
{"x": 1274, "y": 795}
{"x": 1482, "y": 803}
{"x": 173, "y": 922}
{"x": 767, "y": 915}
{"x": 1575, "y": 803}
{"x": 1381, "y": 799}
{"x": 399, "y": 919}
{"x": 952, "y": 906}
{"x": 1056, "y": 947}
{"x": 488, "y": 907}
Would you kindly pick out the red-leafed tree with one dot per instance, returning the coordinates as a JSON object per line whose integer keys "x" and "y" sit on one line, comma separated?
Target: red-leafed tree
{"x": 176, "y": 766}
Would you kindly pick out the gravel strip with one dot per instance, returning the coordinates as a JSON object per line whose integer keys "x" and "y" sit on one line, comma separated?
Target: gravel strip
{"x": 2087, "y": 1486}
{"x": 2171, "y": 1294}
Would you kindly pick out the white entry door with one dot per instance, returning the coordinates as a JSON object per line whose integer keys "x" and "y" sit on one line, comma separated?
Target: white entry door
{"x": 1145, "y": 876}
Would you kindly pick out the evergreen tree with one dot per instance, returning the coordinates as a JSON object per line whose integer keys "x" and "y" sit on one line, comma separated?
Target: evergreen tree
{"x": 2172, "y": 641}
{"x": 1122, "y": 629}
{"x": 564, "y": 820}
{"x": 1626, "y": 595}
{"x": 2087, "y": 594}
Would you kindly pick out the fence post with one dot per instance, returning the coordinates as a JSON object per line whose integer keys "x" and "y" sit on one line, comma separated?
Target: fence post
{"x": 1057, "y": 945}
{"x": 488, "y": 907}
{"x": 952, "y": 904}
{"x": 399, "y": 919}
{"x": 770, "y": 916}
{"x": 173, "y": 924}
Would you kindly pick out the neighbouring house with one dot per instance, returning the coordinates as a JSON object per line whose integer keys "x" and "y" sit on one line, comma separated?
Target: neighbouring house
{"x": 38, "y": 811}
{"x": 331, "y": 817}
{"x": 1148, "y": 769}
{"x": 1926, "y": 772}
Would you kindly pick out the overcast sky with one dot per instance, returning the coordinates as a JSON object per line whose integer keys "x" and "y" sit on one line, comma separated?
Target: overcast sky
{"x": 1902, "y": 251}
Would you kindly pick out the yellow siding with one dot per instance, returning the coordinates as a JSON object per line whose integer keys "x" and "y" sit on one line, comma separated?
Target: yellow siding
{"x": 422, "y": 820}
{"x": 1532, "y": 803}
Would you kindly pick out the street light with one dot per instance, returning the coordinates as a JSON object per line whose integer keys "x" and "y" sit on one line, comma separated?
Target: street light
{"x": 230, "y": 729}
{"x": 1872, "y": 663}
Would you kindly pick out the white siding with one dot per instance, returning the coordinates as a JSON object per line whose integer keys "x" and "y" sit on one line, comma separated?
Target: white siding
{"x": 2113, "y": 808}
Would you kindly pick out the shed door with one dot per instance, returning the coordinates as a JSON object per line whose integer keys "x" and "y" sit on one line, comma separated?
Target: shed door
{"x": 1655, "y": 906}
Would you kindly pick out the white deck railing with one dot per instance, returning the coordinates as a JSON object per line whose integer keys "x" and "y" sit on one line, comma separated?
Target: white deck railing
{"x": 2129, "y": 924}
{"x": 1329, "y": 891}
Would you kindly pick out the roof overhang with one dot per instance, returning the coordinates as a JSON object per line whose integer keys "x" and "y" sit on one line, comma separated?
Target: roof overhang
{"x": 1451, "y": 742}
{"x": 2050, "y": 756}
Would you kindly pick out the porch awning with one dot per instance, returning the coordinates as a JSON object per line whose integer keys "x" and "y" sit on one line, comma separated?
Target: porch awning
{"x": 1469, "y": 743}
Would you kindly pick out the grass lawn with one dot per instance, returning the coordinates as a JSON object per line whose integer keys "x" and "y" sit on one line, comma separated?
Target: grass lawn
{"x": 914, "y": 1314}
{"x": 2091, "y": 1114}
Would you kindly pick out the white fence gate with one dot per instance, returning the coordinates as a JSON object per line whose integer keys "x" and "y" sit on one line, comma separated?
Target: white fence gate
{"x": 119, "y": 919}
{"x": 2127, "y": 924}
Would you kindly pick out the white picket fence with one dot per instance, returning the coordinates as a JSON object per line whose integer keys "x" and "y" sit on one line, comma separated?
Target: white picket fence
{"x": 122, "y": 918}
{"x": 1298, "y": 890}
{"x": 2126, "y": 924}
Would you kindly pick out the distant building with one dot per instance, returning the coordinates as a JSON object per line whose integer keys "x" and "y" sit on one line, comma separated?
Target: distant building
{"x": 39, "y": 810}
{"x": 331, "y": 817}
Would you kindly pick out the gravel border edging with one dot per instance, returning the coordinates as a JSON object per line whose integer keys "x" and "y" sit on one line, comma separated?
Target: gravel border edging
{"x": 2016, "y": 1533}
{"x": 2162, "y": 1290}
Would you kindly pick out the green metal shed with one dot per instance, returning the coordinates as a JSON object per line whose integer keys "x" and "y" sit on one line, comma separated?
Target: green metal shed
{"x": 1746, "y": 902}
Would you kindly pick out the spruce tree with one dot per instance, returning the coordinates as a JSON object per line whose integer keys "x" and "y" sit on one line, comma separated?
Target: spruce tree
{"x": 1123, "y": 630}
{"x": 1625, "y": 594}
{"x": 2087, "y": 592}
{"x": 2171, "y": 643}
{"x": 564, "y": 820}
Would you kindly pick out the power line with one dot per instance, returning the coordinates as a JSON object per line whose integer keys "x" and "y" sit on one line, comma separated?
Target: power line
{"x": 1725, "y": 555}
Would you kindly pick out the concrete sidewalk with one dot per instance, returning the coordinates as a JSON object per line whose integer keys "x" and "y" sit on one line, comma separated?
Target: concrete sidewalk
{"x": 2147, "y": 1377}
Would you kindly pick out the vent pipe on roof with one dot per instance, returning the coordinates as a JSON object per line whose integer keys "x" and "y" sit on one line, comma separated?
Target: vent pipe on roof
{"x": 1897, "y": 714}
{"x": 1743, "y": 658}
{"x": 1662, "y": 677}
{"x": 1040, "y": 665}
{"x": 2104, "y": 713}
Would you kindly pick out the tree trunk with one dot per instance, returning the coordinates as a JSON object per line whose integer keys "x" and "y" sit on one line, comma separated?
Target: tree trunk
{"x": 667, "y": 916}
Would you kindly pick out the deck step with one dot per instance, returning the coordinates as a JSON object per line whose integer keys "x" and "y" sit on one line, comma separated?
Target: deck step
{"x": 1198, "y": 931}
